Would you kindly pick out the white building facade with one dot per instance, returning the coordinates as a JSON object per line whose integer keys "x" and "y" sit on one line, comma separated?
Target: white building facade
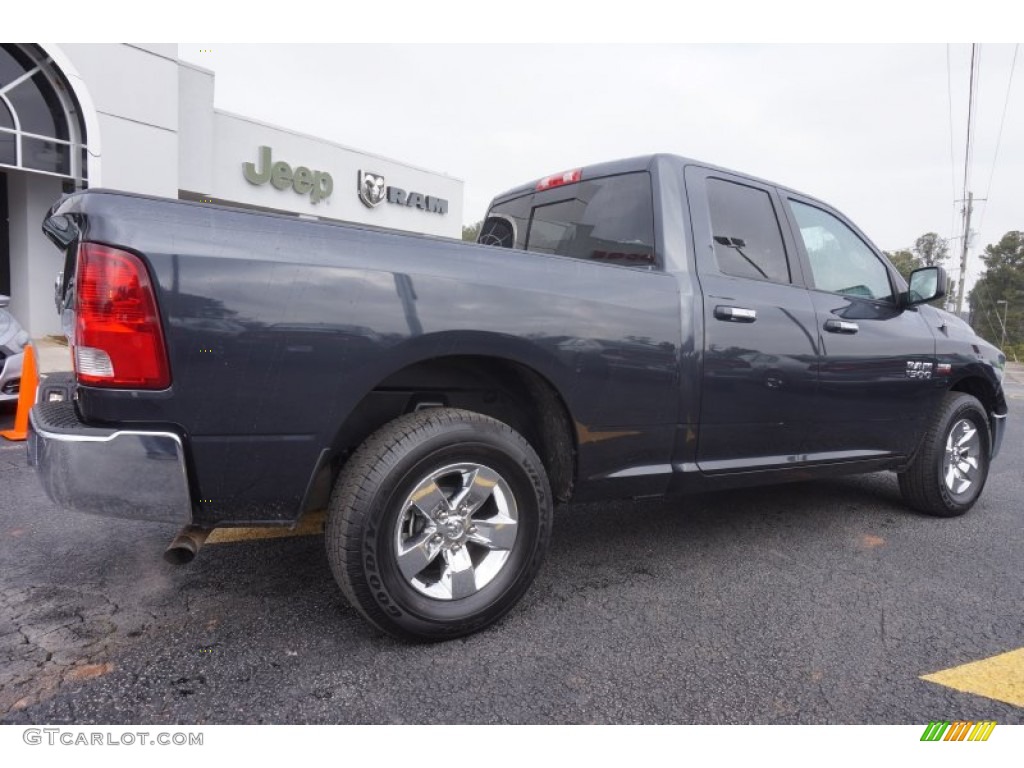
{"x": 138, "y": 119}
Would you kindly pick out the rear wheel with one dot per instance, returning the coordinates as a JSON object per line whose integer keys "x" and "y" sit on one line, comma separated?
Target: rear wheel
{"x": 949, "y": 472}
{"x": 439, "y": 523}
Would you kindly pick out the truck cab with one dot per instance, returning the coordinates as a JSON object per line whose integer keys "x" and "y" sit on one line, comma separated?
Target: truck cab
{"x": 803, "y": 347}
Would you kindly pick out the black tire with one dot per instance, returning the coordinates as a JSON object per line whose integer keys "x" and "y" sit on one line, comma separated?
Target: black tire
{"x": 443, "y": 454}
{"x": 930, "y": 484}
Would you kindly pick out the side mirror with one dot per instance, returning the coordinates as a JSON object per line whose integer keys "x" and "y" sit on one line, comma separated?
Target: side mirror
{"x": 4, "y": 301}
{"x": 926, "y": 284}
{"x": 60, "y": 229}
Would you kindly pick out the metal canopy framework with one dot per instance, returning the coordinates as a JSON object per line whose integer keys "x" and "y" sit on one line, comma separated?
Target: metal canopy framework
{"x": 41, "y": 126}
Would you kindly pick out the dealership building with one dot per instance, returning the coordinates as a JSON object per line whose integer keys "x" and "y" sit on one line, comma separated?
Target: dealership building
{"x": 137, "y": 118}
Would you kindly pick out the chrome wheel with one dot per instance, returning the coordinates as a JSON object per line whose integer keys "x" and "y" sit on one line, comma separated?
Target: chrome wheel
{"x": 961, "y": 462}
{"x": 949, "y": 470}
{"x": 456, "y": 531}
{"x": 439, "y": 523}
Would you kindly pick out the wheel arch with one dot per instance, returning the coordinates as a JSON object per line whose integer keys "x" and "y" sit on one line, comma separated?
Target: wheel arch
{"x": 503, "y": 387}
{"x": 979, "y": 388}
{"x": 991, "y": 398}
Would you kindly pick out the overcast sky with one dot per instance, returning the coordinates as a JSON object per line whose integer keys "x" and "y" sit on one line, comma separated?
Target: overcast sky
{"x": 865, "y": 128}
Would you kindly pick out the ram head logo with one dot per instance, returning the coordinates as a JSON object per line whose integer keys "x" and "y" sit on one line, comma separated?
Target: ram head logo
{"x": 371, "y": 189}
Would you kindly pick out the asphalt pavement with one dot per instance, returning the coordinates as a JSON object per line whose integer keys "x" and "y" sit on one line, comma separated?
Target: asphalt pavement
{"x": 821, "y": 602}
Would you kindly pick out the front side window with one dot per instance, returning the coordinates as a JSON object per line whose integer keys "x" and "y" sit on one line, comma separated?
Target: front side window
{"x": 609, "y": 219}
{"x": 840, "y": 261}
{"x": 746, "y": 234}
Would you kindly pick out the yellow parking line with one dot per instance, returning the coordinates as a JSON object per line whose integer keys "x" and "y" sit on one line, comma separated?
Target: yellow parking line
{"x": 998, "y": 677}
{"x": 310, "y": 525}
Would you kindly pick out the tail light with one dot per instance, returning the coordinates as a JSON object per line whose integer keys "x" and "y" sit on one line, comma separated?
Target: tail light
{"x": 118, "y": 338}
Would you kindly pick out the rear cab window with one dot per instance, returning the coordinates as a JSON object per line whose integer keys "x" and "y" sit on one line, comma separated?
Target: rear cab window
{"x": 608, "y": 219}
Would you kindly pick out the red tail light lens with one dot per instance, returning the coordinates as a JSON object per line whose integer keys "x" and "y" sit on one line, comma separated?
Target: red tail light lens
{"x": 118, "y": 338}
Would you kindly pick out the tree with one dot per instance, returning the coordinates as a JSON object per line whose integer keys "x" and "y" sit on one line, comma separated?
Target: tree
{"x": 1003, "y": 281}
{"x": 471, "y": 232}
{"x": 905, "y": 261}
{"x": 931, "y": 249}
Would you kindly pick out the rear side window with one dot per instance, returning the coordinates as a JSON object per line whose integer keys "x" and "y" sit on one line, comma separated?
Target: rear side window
{"x": 745, "y": 228}
{"x": 610, "y": 219}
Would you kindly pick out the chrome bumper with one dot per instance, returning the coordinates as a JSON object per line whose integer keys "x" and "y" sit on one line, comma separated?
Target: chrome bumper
{"x": 138, "y": 475}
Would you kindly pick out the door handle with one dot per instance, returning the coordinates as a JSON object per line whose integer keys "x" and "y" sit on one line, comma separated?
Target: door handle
{"x": 735, "y": 314}
{"x": 841, "y": 326}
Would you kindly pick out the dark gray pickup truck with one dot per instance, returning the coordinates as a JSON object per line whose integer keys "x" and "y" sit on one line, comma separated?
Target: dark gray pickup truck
{"x": 638, "y": 328}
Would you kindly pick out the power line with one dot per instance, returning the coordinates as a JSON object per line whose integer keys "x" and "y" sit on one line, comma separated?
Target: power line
{"x": 999, "y": 138}
{"x": 952, "y": 154}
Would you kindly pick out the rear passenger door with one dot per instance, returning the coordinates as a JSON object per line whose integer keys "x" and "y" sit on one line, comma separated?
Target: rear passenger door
{"x": 760, "y": 344}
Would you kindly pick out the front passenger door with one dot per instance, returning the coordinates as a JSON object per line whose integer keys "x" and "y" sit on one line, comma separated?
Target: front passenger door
{"x": 875, "y": 383}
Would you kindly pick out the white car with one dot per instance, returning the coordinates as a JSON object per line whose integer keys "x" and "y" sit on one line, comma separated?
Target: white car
{"x": 12, "y": 344}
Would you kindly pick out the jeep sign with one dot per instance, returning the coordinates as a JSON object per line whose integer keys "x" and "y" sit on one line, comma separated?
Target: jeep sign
{"x": 317, "y": 184}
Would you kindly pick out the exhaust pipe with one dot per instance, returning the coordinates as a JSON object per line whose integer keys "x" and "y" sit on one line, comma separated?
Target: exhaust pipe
{"x": 186, "y": 544}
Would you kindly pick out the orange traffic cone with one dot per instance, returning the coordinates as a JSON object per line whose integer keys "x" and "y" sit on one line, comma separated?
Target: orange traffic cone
{"x": 26, "y": 396}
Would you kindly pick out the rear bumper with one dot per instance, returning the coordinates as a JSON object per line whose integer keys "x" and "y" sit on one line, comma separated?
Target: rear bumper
{"x": 138, "y": 475}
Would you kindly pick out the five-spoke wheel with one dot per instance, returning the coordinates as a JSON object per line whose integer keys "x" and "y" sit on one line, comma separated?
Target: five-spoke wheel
{"x": 457, "y": 530}
{"x": 951, "y": 466}
{"x": 438, "y": 523}
{"x": 963, "y": 450}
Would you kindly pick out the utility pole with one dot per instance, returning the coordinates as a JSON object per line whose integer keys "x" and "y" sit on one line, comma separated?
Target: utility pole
{"x": 1006, "y": 309}
{"x": 963, "y": 256}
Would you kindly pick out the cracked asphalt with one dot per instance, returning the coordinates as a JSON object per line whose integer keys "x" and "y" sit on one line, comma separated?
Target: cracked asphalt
{"x": 819, "y": 602}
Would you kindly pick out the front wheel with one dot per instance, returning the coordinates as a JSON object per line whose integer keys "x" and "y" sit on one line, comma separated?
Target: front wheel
{"x": 949, "y": 472}
{"x": 438, "y": 524}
